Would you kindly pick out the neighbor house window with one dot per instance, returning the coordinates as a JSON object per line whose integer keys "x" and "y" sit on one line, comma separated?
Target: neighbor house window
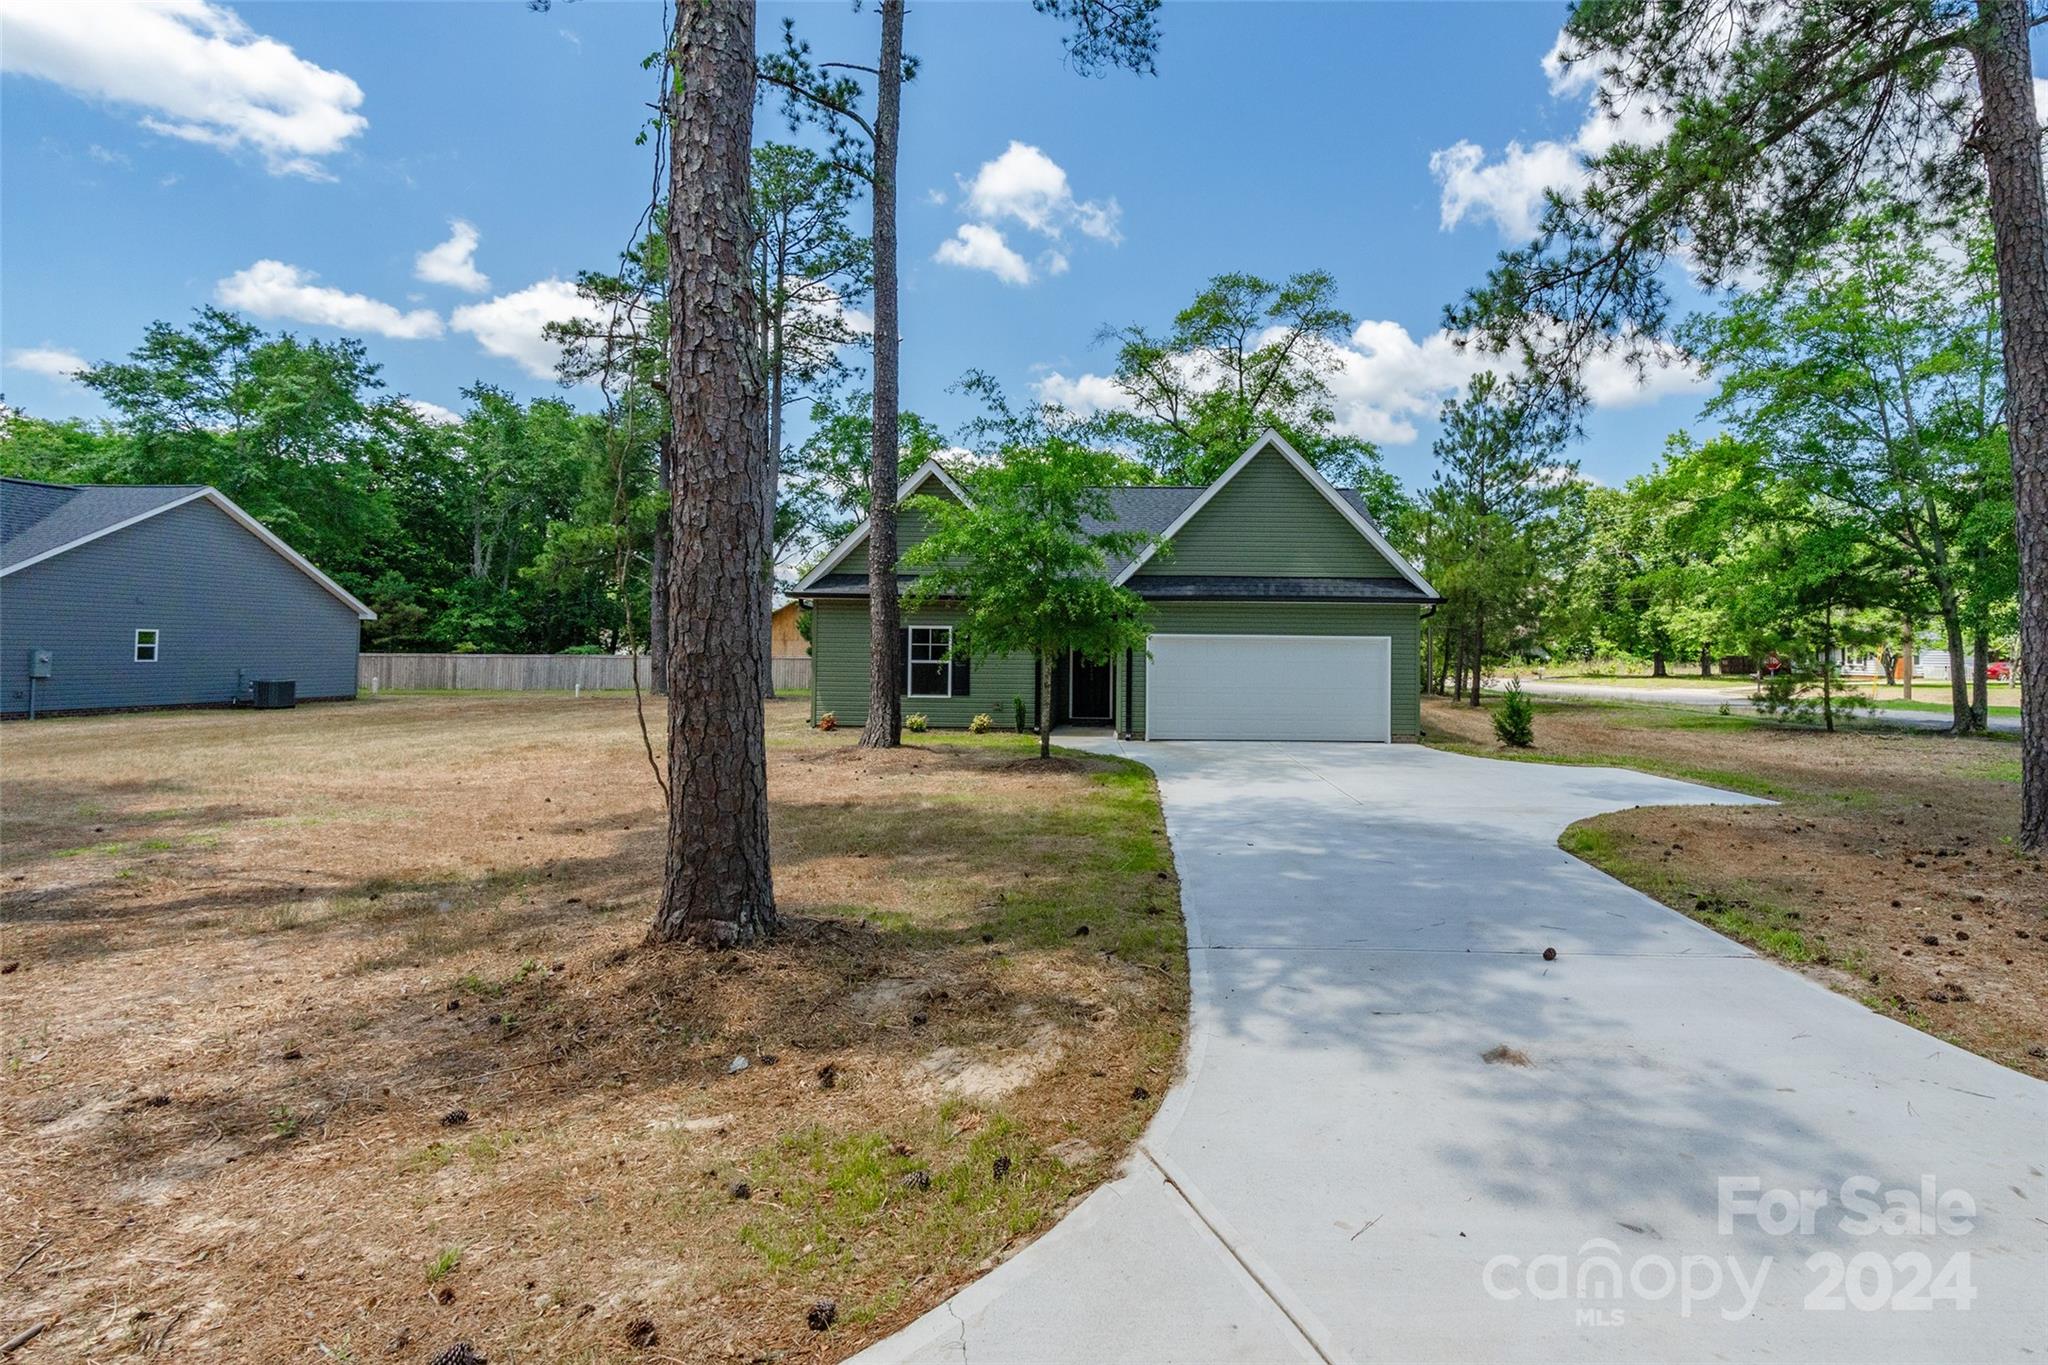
{"x": 145, "y": 646}
{"x": 931, "y": 672}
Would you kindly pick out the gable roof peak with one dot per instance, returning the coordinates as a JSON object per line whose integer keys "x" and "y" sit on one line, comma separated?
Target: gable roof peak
{"x": 931, "y": 468}
{"x": 1273, "y": 440}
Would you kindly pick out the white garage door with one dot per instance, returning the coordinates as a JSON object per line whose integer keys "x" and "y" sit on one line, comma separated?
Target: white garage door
{"x": 1269, "y": 687}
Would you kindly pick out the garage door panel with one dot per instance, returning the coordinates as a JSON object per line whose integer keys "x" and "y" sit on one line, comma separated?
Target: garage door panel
{"x": 1298, "y": 687}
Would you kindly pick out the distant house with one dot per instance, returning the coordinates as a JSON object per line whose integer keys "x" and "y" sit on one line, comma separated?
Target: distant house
{"x": 114, "y": 597}
{"x": 787, "y": 636}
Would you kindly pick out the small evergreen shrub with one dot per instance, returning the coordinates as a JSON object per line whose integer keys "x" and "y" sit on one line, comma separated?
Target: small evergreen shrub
{"x": 1514, "y": 721}
{"x": 1017, "y": 705}
{"x": 1800, "y": 696}
{"x": 916, "y": 722}
{"x": 828, "y": 721}
{"x": 981, "y": 724}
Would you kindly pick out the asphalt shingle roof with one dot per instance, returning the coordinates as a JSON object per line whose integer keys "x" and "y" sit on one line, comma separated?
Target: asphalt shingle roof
{"x": 36, "y": 518}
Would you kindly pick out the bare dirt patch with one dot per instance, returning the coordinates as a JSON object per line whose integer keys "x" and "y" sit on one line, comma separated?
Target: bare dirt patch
{"x": 335, "y": 1028}
{"x": 1888, "y": 869}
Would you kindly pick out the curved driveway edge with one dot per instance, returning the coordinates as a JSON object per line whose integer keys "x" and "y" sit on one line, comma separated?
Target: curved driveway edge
{"x": 1342, "y": 1175}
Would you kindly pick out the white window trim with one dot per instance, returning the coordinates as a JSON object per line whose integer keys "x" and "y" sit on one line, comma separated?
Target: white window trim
{"x": 945, "y": 661}
{"x": 156, "y": 644}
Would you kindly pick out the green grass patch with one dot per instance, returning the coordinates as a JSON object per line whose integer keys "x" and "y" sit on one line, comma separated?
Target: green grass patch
{"x": 1729, "y": 779}
{"x": 821, "y": 1195}
{"x": 2000, "y": 770}
{"x": 443, "y": 1265}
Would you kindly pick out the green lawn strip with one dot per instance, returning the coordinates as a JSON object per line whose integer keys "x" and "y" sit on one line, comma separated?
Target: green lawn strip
{"x": 1945, "y": 708}
{"x": 1728, "y": 779}
{"x": 1746, "y": 918}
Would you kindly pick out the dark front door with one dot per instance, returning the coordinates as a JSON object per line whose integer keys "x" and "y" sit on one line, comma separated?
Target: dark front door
{"x": 1088, "y": 692}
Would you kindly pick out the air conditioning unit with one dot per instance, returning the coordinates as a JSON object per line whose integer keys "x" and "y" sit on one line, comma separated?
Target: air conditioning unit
{"x": 275, "y": 694}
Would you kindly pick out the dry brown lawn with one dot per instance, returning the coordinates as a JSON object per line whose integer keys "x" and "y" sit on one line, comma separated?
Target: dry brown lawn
{"x": 331, "y": 1034}
{"x": 1888, "y": 869}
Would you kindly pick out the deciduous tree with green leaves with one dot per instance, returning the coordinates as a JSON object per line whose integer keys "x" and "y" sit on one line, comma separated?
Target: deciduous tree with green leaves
{"x": 1871, "y": 380}
{"x": 1771, "y": 122}
{"x": 1248, "y": 354}
{"x": 1023, "y": 560}
{"x": 828, "y": 477}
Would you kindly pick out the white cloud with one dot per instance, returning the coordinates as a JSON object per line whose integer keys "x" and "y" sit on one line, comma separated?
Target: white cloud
{"x": 1383, "y": 381}
{"x": 194, "y": 69}
{"x": 53, "y": 362}
{"x": 509, "y": 326}
{"x": 1027, "y": 185}
{"x": 1509, "y": 190}
{"x": 977, "y": 246}
{"x": 453, "y": 262}
{"x": 1084, "y": 395}
{"x": 272, "y": 289}
{"x": 432, "y": 412}
{"x": 816, "y": 298}
{"x": 1612, "y": 382}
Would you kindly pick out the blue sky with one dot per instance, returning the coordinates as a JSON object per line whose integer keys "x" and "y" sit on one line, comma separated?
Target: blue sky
{"x": 298, "y": 159}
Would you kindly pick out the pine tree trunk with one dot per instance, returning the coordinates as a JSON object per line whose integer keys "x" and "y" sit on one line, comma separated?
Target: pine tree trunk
{"x": 1980, "y": 679}
{"x": 1478, "y": 651}
{"x": 717, "y": 887}
{"x": 2009, "y": 135}
{"x": 884, "y": 728}
{"x": 657, "y": 578}
{"x": 767, "y": 607}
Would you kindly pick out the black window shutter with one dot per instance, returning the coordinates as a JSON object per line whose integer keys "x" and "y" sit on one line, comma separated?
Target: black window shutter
{"x": 963, "y": 675}
{"x": 903, "y": 664}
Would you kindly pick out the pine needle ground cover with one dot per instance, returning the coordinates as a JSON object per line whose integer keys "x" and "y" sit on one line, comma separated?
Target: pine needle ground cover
{"x": 333, "y": 1028}
{"x": 1887, "y": 870}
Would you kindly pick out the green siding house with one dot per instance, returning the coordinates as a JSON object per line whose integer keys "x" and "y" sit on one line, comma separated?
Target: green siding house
{"x": 1277, "y": 610}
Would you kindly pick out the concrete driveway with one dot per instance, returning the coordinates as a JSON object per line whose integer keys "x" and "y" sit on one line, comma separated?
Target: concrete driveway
{"x": 1340, "y": 1175}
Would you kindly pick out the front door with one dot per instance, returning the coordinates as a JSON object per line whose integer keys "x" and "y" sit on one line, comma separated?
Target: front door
{"x": 1088, "y": 691}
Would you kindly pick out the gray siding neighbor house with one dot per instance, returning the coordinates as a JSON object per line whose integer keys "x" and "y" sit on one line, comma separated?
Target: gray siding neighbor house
{"x": 160, "y": 596}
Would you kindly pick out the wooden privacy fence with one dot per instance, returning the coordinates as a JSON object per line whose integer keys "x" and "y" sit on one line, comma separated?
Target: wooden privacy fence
{"x": 524, "y": 672}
